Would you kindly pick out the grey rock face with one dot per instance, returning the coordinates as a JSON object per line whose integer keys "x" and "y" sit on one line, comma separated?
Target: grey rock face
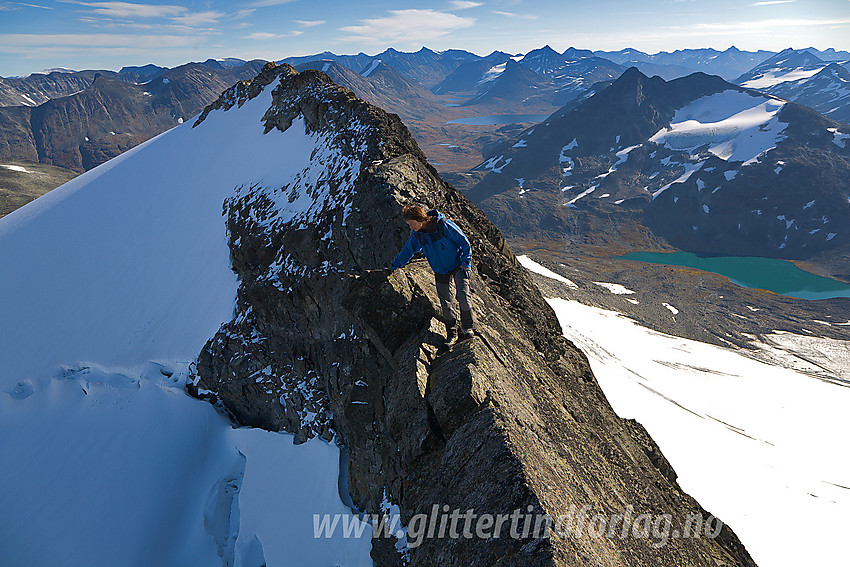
{"x": 325, "y": 343}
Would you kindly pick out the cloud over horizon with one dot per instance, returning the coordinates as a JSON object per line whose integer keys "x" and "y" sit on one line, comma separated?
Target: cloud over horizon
{"x": 406, "y": 26}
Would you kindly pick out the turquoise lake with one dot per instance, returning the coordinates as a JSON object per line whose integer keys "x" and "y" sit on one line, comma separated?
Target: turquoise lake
{"x": 499, "y": 119}
{"x": 778, "y": 276}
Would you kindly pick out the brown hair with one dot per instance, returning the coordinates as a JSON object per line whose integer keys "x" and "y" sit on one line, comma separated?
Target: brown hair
{"x": 414, "y": 212}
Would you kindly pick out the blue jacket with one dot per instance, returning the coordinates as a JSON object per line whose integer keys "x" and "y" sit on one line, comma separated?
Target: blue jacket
{"x": 443, "y": 243}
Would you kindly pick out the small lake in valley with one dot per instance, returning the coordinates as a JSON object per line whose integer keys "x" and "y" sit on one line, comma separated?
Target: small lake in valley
{"x": 778, "y": 276}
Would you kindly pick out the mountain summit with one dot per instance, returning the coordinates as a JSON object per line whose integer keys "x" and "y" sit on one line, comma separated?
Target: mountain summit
{"x": 253, "y": 243}
{"x": 708, "y": 165}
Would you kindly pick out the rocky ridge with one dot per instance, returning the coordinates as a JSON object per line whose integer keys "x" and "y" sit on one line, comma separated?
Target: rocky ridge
{"x": 326, "y": 343}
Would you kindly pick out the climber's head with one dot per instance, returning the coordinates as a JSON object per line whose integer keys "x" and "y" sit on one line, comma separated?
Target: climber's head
{"x": 415, "y": 216}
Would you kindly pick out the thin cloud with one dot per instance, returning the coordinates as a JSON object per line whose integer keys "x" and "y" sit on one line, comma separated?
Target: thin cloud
{"x": 773, "y": 24}
{"x": 242, "y": 14}
{"x": 267, "y": 3}
{"x": 160, "y": 27}
{"x": 309, "y": 23}
{"x": 772, "y": 2}
{"x": 265, "y": 36}
{"x": 93, "y": 40}
{"x": 30, "y": 6}
{"x": 127, "y": 14}
{"x": 128, "y": 10}
{"x": 760, "y": 33}
{"x": 408, "y": 26}
{"x": 15, "y": 6}
{"x": 262, "y": 36}
{"x": 513, "y": 15}
{"x": 199, "y": 18}
{"x": 463, "y": 4}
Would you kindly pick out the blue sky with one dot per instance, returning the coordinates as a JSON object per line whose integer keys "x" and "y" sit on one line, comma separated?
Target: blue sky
{"x": 82, "y": 34}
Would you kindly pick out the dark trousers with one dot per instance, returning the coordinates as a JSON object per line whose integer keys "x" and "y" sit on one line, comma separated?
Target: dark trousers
{"x": 444, "y": 292}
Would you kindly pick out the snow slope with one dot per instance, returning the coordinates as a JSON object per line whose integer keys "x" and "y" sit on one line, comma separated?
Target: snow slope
{"x": 773, "y": 77}
{"x": 110, "y": 286}
{"x": 758, "y": 445}
{"x": 129, "y": 262}
{"x": 754, "y": 437}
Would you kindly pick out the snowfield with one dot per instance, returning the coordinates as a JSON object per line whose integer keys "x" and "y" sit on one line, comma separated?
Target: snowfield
{"x": 756, "y": 437}
{"x": 110, "y": 287}
{"x": 129, "y": 262}
{"x": 736, "y": 126}
{"x": 760, "y": 446}
{"x": 778, "y": 75}
{"x": 111, "y": 468}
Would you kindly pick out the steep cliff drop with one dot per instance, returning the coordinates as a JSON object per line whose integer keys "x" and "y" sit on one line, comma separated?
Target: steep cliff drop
{"x": 327, "y": 343}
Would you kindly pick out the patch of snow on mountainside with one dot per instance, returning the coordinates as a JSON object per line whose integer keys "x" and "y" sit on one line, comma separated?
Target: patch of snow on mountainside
{"x": 838, "y": 138}
{"x": 823, "y": 357}
{"x": 690, "y": 169}
{"x": 17, "y": 168}
{"x": 622, "y": 157}
{"x": 758, "y": 445}
{"x": 735, "y": 126}
{"x": 372, "y": 67}
{"x": 779, "y": 75}
{"x": 491, "y": 163}
{"x": 585, "y": 193}
{"x": 533, "y": 266}
{"x": 492, "y": 74}
{"x": 615, "y": 288}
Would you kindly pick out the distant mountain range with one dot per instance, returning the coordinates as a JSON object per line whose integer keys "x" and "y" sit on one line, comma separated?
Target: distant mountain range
{"x": 78, "y": 119}
{"x": 542, "y": 74}
{"x": 708, "y": 165}
{"x": 38, "y": 88}
{"x": 381, "y": 85}
{"x": 424, "y": 66}
{"x": 108, "y": 113}
{"x": 546, "y": 77}
{"x": 803, "y": 77}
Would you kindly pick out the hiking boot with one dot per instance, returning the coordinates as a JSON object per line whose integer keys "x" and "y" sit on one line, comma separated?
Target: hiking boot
{"x": 451, "y": 336}
{"x": 466, "y": 334}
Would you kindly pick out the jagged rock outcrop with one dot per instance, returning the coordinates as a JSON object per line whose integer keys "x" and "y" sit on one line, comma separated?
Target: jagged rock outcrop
{"x": 327, "y": 343}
